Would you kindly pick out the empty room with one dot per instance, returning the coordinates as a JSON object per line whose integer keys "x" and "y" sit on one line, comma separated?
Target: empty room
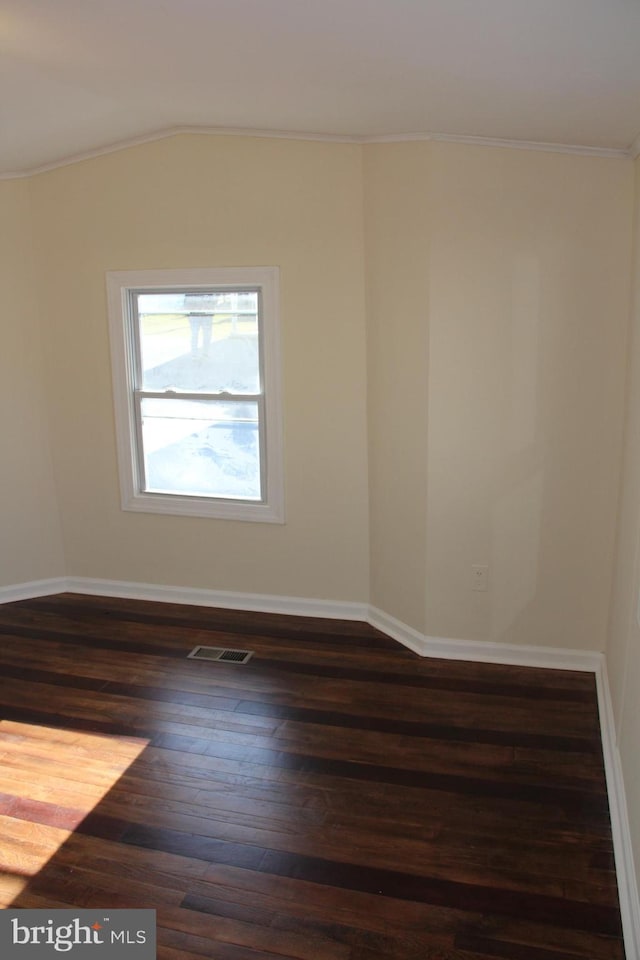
{"x": 320, "y": 515}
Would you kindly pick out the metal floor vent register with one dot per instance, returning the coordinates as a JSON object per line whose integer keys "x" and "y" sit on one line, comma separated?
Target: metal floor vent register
{"x": 221, "y": 654}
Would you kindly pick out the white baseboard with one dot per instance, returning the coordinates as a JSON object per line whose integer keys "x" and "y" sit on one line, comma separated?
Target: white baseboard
{"x": 35, "y": 588}
{"x": 399, "y": 631}
{"x": 425, "y": 646}
{"x": 444, "y": 647}
{"x": 622, "y": 846}
{"x": 264, "y": 603}
{"x": 482, "y": 651}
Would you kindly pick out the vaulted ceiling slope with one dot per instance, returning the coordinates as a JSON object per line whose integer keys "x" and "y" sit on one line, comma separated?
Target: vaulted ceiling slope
{"x": 78, "y": 76}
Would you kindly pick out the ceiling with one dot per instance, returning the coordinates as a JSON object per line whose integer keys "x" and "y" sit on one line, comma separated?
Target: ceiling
{"x": 78, "y": 76}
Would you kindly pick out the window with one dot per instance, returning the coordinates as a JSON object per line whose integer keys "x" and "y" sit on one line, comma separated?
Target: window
{"x": 196, "y": 359}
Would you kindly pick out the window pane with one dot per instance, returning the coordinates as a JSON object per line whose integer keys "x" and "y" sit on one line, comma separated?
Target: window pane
{"x": 200, "y": 342}
{"x": 202, "y": 448}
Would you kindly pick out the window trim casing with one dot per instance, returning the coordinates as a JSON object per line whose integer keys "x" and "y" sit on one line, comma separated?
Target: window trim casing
{"x": 120, "y": 284}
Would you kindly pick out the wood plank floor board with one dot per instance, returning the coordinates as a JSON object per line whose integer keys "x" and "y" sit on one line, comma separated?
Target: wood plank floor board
{"x": 384, "y": 915}
{"x": 333, "y": 792}
{"x": 535, "y": 679}
{"x": 176, "y": 946}
{"x": 337, "y": 798}
{"x": 360, "y": 745}
{"x": 221, "y": 816}
{"x": 479, "y": 865}
{"x": 510, "y": 714}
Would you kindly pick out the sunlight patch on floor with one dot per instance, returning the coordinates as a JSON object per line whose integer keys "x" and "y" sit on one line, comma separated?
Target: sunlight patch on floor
{"x": 50, "y": 779}
{"x": 11, "y": 884}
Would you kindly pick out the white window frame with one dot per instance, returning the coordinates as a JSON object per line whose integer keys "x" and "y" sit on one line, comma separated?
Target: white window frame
{"x": 121, "y": 285}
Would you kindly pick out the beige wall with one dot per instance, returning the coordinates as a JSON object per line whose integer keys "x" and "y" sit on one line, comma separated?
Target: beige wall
{"x": 497, "y": 303}
{"x": 397, "y": 258}
{"x": 30, "y": 537}
{"x": 530, "y": 266}
{"x": 196, "y": 201}
{"x": 488, "y": 382}
{"x": 623, "y": 651}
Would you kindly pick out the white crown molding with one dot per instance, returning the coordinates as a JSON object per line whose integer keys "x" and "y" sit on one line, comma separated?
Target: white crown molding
{"x": 610, "y": 153}
{"x": 270, "y": 134}
{"x": 573, "y": 149}
{"x": 169, "y": 132}
{"x": 423, "y": 645}
{"x": 104, "y": 151}
{"x": 606, "y": 153}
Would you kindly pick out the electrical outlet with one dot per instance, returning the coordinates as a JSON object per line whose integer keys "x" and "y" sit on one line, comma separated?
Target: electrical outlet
{"x": 479, "y": 576}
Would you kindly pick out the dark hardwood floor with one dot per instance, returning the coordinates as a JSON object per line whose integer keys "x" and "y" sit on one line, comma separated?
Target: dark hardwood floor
{"x": 336, "y": 797}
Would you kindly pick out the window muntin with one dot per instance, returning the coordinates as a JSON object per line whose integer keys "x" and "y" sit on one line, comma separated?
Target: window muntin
{"x": 199, "y": 428}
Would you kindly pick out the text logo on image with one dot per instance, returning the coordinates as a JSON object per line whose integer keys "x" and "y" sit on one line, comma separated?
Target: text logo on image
{"x": 81, "y": 934}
